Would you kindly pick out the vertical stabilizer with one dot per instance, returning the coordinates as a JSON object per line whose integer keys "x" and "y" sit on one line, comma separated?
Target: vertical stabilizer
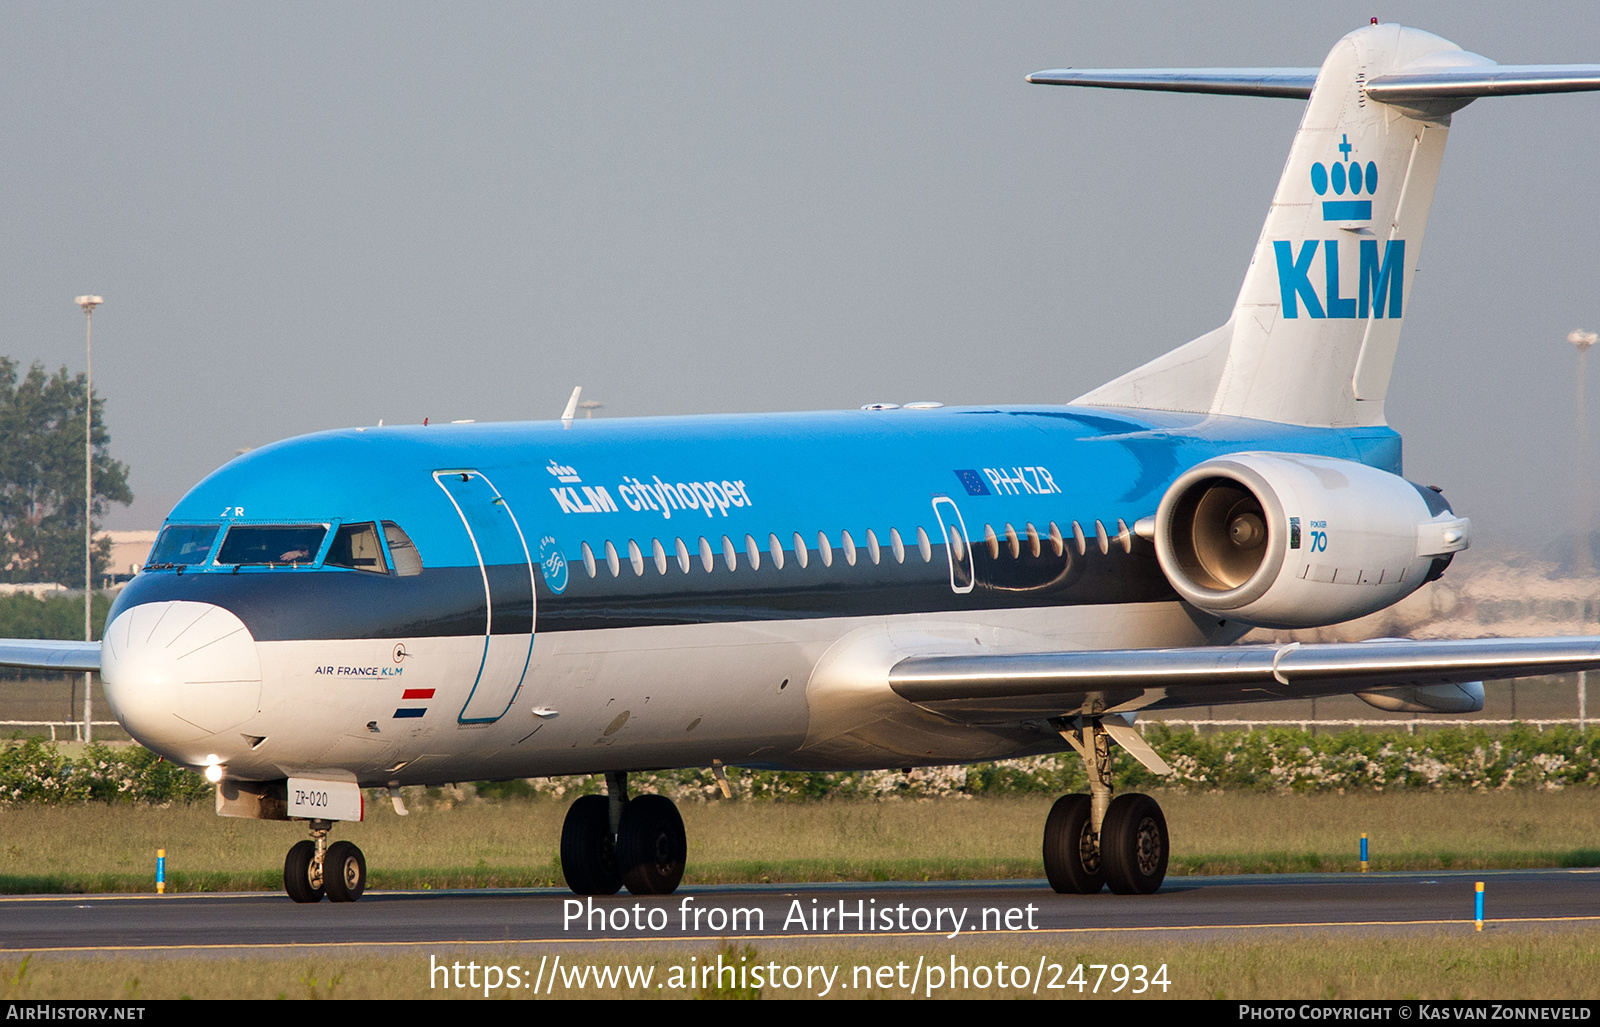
{"x": 1313, "y": 335}
{"x": 1318, "y": 319}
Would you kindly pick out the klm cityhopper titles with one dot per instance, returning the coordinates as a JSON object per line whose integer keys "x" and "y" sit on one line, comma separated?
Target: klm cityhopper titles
{"x": 880, "y": 588}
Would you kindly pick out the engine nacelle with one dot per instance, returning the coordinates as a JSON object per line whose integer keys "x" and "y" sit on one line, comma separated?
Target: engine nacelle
{"x": 1287, "y": 540}
{"x": 1463, "y": 698}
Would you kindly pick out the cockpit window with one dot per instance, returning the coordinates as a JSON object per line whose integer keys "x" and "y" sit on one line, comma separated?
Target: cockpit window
{"x": 407, "y": 561}
{"x": 183, "y": 544}
{"x": 356, "y": 546}
{"x": 402, "y": 551}
{"x": 272, "y": 544}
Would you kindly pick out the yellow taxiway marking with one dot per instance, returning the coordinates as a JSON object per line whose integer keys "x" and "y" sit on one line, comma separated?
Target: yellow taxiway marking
{"x": 807, "y": 936}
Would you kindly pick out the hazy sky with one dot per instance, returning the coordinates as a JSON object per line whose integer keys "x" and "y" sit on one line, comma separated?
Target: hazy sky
{"x": 312, "y": 215}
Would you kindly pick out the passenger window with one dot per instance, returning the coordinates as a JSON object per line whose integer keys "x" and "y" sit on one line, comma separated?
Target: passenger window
{"x": 1013, "y": 541}
{"x": 612, "y": 562}
{"x": 897, "y": 545}
{"x": 872, "y": 547}
{"x": 800, "y": 551}
{"x": 356, "y": 546}
{"x": 825, "y": 549}
{"x": 849, "y": 548}
{"x": 272, "y": 545}
{"x": 990, "y": 541}
{"x": 729, "y": 555}
{"x": 588, "y": 559}
{"x": 660, "y": 553}
{"x": 776, "y": 549}
{"x": 707, "y": 560}
{"x": 1033, "y": 540}
{"x": 407, "y": 561}
{"x": 924, "y": 546}
{"x": 636, "y": 558}
{"x": 752, "y": 552}
{"x": 1078, "y": 538}
{"x": 953, "y": 533}
{"x": 1058, "y": 545}
{"x": 683, "y": 556}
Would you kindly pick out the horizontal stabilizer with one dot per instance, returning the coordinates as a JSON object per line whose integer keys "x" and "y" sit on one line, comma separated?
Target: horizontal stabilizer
{"x": 1455, "y": 83}
{"x": 1291, "y": 83}
{"x": 1488, "y": 80}
{"x": 998, "y": 686}
{"x": 49, "y": 654}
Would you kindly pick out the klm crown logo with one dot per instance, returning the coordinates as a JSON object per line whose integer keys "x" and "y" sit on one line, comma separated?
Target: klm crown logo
{"x": 1345, "y": 174}
{"x": 562, "y": 472}
{"x": 1381, "y": 281}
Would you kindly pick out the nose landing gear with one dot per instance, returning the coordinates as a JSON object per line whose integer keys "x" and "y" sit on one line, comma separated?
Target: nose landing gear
{"x": 314, "y": 868}
{"x": 612, "y": 841}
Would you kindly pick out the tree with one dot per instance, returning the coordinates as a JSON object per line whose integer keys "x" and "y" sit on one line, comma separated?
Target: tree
{"x": 41, "y": 476}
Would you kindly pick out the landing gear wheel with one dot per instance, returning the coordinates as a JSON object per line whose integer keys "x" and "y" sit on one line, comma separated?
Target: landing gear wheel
{"x": 651, "y": 846}
{"x": 1133, "y": 845}
{"x": 1071, "y": 857}
{"x": 588, "y": 854}
{"x": 302, "y": 877}
{"x": 344, "y": 872}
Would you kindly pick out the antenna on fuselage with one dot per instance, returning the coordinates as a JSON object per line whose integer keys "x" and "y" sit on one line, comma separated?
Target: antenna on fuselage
{"x": 572, "y": 407}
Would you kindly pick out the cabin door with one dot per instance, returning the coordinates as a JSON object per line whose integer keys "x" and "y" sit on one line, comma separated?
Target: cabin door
{"x": 956, "y": 545}
{"x": 507, "y": 571}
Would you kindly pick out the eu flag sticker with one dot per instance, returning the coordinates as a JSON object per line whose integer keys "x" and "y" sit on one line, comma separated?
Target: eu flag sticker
{"x": 974, "y": 483}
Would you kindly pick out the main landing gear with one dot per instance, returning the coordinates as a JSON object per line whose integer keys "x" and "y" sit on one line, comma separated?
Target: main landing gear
{"x": 1094, "y": 840}
{"x": 314, "y": 868}
{"x": 610, "y": 841}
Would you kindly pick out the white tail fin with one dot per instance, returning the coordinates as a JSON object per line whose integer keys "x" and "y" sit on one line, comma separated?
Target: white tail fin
{"x": 1313, "y": 334}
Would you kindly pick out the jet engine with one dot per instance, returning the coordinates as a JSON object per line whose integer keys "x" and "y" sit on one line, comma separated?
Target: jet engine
{"x": 1287, "y": 540}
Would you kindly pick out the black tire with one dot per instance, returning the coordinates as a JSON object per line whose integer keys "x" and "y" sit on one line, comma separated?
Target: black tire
{"x": 344, "y": 872}
{"x": 652, "y": 846}
{"x": 1071, "y": 857}
{"x": 1134, "y": 845}
{"x": 588, "y": 853}
{"x": 302, "y": 880}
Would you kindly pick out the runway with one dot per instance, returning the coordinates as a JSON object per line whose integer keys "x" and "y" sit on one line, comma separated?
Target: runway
{"x": 197, "y": 924}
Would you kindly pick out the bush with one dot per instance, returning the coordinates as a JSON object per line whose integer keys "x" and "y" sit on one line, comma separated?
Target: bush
{"x": 1280, "y": 760}
{"x": 35, "y": 771}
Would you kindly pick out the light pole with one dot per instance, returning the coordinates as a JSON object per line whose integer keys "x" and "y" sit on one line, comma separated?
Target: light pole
{"x": 1585, "y": 562}
{"x": 88, "y": 303}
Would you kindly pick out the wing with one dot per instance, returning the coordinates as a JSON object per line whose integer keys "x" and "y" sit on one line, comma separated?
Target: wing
{"x": 1000, "y": 687}
{"x": 49, "y": 654}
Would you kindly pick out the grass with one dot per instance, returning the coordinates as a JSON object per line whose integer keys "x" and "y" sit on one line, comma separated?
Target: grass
{"x": 100, "y": 848}
{"x": 514, "y": 843}
{"x": 1441, "y": 964}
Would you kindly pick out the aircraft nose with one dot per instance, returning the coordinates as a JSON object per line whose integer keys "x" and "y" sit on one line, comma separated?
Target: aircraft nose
{"x": 178, "y": 672}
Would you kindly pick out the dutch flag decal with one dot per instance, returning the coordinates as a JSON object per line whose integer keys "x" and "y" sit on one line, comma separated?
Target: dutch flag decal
{"x": 413, "y": 694}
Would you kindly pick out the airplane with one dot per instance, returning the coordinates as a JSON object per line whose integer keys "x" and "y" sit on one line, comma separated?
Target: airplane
{"x": 380, "y": 607}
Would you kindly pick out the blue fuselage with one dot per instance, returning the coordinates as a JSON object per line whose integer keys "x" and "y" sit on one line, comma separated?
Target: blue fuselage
{"x": 440, "y": 603}
{"x": 845, "y": 486}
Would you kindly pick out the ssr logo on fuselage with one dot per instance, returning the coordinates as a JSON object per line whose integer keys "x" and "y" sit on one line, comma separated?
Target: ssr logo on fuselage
{"x": 1380, "y": 276}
